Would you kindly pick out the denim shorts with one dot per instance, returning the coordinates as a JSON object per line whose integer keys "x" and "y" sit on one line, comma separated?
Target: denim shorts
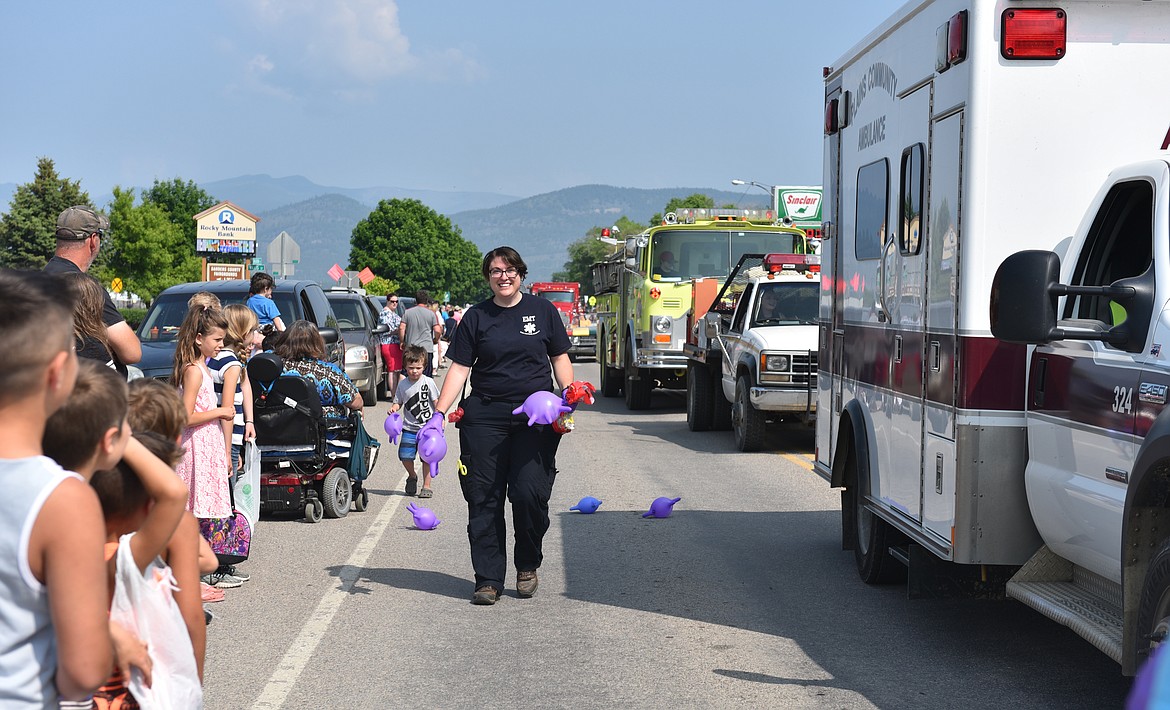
{"x": 408, "y": 446}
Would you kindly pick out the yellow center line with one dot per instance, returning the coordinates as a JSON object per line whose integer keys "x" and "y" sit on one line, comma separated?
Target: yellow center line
{"x": 802, "y": 460}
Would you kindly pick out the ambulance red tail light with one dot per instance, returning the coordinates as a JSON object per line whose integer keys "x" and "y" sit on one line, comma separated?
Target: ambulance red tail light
{"x": 831, "y": 126}
{"x": 951, "y": 42}
{"x": 1033, "y": 33}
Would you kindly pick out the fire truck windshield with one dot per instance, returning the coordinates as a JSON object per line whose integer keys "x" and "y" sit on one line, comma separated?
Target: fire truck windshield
{"x": 677, "y": 255}
{"x": 557, "y": 296}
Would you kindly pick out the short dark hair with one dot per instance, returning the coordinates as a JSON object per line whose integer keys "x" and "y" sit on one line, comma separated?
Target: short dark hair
{"x": 260, "y": 282}
{"x": 423, "y": 297}
{"x": 413, "y": 354}
{"x": 37, "y": 322}
{"x": 98, "y": 404}
{"x": 510, "y": 256}
{"x": 300, "y": 341}
{"x": 120, "y": 490}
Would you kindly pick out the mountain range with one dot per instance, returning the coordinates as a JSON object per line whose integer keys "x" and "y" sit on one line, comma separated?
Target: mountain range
{"x": 321, "y": 218}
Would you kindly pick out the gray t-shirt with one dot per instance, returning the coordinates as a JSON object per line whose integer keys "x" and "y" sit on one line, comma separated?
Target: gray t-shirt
{"x": 420, "y": 328}
{"x": 417, "y": 400}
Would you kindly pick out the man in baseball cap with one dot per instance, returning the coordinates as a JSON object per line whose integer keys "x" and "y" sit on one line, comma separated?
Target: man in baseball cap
{"x": 80, "y": 231}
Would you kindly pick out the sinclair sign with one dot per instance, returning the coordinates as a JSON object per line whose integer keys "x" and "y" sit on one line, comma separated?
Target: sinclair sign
{"x": 225, "y": 229}
{"x": 800, "y": 204}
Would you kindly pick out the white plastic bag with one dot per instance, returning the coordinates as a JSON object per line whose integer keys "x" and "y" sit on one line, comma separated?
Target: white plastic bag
{"x": 247, "y": 490}
{"x": 145, "y": 605}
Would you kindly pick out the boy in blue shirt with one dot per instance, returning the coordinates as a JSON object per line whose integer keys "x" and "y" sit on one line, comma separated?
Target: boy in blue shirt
{"x": 261, "y": 302}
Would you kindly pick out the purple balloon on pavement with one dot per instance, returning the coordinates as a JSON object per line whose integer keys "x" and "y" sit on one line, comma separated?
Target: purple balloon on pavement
{"x": 393, "y": 426}
{"x": 424, "y": 518}
{"x": 588, "y": 504}
{"x": 542, "y": 408}
{"x": 661, "y": 508}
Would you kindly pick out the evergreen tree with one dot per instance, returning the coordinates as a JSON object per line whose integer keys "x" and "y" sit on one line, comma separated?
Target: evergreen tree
{"x": 28, "y": 230}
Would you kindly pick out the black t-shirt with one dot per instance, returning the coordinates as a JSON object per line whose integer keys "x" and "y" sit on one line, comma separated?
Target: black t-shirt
{"x": 508, "y": 349}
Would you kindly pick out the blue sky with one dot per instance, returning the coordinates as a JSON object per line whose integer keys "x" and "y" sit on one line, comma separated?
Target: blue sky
{"x": 512, "y": 97}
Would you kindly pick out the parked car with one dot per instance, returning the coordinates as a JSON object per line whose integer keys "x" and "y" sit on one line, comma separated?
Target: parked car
{"x": 357, "y": 318}
{"x": 296, "y": 300}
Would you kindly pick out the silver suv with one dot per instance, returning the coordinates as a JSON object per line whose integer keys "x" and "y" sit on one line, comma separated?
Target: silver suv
{"x": 357, "y": 319}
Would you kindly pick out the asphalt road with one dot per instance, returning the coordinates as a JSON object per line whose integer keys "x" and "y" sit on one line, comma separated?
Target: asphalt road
{"x": 742, "y": 598}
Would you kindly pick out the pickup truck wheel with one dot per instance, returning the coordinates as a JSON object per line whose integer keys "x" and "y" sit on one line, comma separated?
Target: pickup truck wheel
{"x": 747, "y": 422}
{"x": 1154, "y": 611}
{"x": 383, "y": 389}
{"x": 700, "y": 408}
{"x": 872, "y": 535}
{"x": 637, "y": 391}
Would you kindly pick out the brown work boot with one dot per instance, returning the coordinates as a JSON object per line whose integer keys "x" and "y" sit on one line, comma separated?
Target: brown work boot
{"x": 526, "y": 583}
{"x": 485, "y": 595}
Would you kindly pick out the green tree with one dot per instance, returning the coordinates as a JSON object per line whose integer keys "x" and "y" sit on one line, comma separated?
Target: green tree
{"x": 408, "y": 242}
{"x": 381, "y": 287}
{"x": 698, "y": 199}
{"x": 587, "y": 250}
{"x": 149, "y": 251}
{"x": 181, "y": 201}
{"x": 27, "y": 230}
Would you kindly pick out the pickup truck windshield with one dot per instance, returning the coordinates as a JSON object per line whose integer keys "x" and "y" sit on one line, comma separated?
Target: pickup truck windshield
{"x": 166, "y": 313}
{"x": 787, "y": 304}
{"x": 678, "y": 255}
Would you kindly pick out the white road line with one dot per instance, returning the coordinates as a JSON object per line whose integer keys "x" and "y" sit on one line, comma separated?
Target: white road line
{"x": 281, "y": 683}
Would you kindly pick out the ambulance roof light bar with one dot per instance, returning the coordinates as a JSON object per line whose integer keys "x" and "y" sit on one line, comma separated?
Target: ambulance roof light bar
{"x": 775, "y": 263}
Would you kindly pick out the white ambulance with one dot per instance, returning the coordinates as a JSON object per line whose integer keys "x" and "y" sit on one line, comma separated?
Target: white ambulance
{"x": 957, "y": 133}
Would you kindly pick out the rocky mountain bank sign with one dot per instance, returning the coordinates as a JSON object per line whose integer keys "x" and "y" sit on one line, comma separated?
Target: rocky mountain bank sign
{"x": 225, "y": 229}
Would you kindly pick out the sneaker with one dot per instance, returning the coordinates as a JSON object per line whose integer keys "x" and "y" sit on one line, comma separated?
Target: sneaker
{"x": 231, "y": 570}
{"x": 485, "y": 595}
{"x": 222, "y": 581}
{"x": 411, "y": 486}
{"x": 526, "y": 583}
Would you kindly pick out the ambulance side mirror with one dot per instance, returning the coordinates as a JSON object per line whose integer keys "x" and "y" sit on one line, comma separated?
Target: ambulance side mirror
{"x": 1023, "y": 298}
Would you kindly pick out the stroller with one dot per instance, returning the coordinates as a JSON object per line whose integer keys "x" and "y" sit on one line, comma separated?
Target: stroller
{"x": 307, "y": 461}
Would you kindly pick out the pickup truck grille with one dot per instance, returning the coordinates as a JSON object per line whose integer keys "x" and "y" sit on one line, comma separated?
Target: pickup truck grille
{"x": 804, "y": 369}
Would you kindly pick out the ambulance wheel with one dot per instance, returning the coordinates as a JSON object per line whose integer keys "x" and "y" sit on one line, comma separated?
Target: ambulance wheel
{"x": 872, "y": 536}
{"x": 314, "y": 511}
{"x": 746, "y": 420}
{"x": 700, "y": 408}
{"x": 1154, "y": 611}
{"x": 637, "y": 390}
{"x": 337, "y": 492}
{"x": 361, "y": 501}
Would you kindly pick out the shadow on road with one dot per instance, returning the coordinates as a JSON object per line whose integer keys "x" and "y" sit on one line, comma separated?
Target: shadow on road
{"x": 418, "y": 580}
{"x": 783, "y": 573}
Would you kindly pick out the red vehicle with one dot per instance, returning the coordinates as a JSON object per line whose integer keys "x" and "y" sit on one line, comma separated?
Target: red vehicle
{"x": 566, "y": 296}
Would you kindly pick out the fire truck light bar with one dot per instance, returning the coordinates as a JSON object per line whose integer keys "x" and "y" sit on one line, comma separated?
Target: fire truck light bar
{"x": 690, "y": 215}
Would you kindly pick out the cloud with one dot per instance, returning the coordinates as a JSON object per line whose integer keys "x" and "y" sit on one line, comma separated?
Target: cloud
{"x": 346, "y": 48}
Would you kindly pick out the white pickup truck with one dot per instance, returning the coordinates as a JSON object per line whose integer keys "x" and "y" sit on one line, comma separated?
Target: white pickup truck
{"x": 751, "y": 356}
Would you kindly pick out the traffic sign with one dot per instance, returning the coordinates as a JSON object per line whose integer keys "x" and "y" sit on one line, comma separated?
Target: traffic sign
{"x": 116, "y": 285}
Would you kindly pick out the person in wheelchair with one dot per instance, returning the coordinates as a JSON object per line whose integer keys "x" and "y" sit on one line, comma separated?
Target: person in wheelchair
{"x": 303, "y": 352}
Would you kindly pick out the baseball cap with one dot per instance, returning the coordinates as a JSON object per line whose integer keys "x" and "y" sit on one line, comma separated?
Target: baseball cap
{"x": 80, "y": 221}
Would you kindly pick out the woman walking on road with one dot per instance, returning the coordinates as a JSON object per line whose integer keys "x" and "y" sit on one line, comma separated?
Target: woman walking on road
{"x": 506, "y": 344}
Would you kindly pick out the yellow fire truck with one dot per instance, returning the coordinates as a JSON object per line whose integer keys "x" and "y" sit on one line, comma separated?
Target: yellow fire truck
{"x": 644, "y": 291}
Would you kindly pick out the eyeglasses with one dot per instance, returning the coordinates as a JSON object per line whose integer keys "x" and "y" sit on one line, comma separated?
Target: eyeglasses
{"x": 510, "y": 272}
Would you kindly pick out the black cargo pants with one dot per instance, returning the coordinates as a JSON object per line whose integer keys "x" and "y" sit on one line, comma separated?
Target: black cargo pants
{"x": 504, "y": 457}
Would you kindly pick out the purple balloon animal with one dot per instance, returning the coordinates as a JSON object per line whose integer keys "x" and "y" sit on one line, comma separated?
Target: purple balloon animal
{"x": 661, "y": 508}
{"x": 424, "y": 518}
{"x": 393, "y": 426}
{"x": 432, "y": 443}
{"x": 542, "y": 408}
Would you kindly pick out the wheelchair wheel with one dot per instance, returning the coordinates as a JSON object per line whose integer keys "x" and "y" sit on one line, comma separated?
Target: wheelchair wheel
{"x": 361, "y": 500}
{"x": 314, "y": 511}
{"x": 336, "y": 493}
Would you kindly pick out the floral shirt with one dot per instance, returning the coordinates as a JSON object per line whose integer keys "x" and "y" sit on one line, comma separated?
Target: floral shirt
{"x": 391, "y": 318}
{"x": 333, "y": 386}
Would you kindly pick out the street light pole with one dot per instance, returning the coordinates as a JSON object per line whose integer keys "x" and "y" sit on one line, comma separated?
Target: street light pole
{"x": 770, "y": 189}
